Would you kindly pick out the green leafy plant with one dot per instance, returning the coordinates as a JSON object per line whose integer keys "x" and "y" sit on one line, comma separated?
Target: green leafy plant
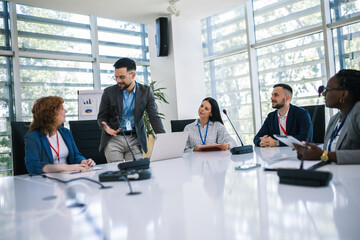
{"x": 160, "y": 97}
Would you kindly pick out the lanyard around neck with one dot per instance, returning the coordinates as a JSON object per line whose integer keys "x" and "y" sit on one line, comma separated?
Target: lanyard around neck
{"x": 58, "y": 146}
{"x": 127, "y": 110}
{"x": 281, "y": 126}
{"x": 337, "y": 129}
{"x": 207, "y": 127}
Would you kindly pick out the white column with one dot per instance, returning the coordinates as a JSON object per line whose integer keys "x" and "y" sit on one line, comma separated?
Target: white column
{"x": 95, "y": 52}
{"x": 253, "y": 69}
{"x": 182, "y": 71}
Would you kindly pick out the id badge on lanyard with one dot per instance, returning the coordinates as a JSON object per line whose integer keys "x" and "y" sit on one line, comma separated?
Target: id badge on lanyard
{"x": 127, "y": 110}
{"x": 128, "y": 125}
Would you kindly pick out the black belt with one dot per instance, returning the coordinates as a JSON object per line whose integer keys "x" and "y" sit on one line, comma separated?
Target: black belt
{"x": 127, "y": 133}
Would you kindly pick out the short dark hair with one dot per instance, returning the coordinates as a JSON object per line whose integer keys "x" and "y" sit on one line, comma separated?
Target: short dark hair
{"x": 349, "y": 79}
{"x": 215, "y": 110}
{"x": 284, "y": 86}
{"x": 125, "y": 62}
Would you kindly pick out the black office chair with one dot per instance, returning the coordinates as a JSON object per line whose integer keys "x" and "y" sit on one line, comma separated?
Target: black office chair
{"x": 87, "y": 138}
{"x": 318, "y": 122}
{"x": 18, "y": 131}
{"x": 179, "y": 125}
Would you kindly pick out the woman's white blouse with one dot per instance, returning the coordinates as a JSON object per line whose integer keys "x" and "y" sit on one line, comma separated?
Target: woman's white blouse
{"x": 216, "y": 134}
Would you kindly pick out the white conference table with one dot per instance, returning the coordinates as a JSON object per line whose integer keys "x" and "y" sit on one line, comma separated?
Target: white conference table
{"x": 199, "y": 196}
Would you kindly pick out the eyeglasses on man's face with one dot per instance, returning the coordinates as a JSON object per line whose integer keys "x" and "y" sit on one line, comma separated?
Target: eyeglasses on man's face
{"x": 323, "y": 89}
{"x": 121, "y": 77}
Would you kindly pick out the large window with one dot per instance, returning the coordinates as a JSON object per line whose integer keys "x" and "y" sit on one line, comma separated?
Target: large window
{"x": 59, "y": 53}
{"x": 6, "y": 93}
{"x": 346, "y": 38}
{"x": 347, "y": 46}
{"x": 122, "y": 39}
{"x": 44, "y": 77}
{"x": 299, "y": 62}
{"x": 276, "y": 17}
{"x": 344, "y": 9}
{"x": 5, "y": 115}
{"x": 227, "y": 68}
{"x": 286, "y": 44}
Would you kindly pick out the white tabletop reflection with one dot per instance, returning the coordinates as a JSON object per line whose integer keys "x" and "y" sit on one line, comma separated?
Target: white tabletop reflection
{"x": 199, "y": 196}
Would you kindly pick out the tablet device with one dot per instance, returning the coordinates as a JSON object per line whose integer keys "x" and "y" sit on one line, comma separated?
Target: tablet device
{"x": 210, "y": 147}
{"x": 288, "y": 140}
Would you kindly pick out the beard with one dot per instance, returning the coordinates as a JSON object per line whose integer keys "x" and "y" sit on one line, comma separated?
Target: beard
{"x": 279, "y": 105}
{"x": 124, "y": 86}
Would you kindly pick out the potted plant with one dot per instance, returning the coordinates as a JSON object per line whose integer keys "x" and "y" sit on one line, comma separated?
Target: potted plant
{"x": 160, "y": 97}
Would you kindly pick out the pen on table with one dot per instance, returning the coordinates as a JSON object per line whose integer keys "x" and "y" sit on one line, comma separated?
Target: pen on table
{"x": 275, "y": 169}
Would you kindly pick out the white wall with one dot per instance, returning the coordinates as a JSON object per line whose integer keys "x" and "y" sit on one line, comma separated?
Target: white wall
{"x": 162, "y": 71}
{"x": 189, "y": 66}
{"x": 182, "y": 71}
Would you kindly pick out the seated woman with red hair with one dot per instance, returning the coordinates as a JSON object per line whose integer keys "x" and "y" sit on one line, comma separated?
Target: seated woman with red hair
{"x": 49, "y": 147}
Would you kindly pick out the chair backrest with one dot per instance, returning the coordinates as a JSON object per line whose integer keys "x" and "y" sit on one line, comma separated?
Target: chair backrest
{"x": 87, "y": 138}
{"x": 18, "y": 131}
{"x": 179, "y": 125}
{"x": 318, "y": 122}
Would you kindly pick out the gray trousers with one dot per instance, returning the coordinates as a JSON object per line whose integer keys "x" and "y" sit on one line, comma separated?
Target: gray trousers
{"x": 117, "y": 150}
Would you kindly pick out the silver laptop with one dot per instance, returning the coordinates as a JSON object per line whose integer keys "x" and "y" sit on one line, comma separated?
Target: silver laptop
{"x": 169, "y": 145}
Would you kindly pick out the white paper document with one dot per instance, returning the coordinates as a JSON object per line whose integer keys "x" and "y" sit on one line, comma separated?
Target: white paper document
{"x": 288, "y": 140}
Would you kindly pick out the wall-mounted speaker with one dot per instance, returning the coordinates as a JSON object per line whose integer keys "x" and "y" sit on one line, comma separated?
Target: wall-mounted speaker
{"x": 161, "y": 37}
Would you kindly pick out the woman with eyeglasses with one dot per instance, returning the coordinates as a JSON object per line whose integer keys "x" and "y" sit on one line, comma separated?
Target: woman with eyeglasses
{"x": 342, "y": 137}
{"x": 49, "y": 147}
{"x": 209, "y": 128}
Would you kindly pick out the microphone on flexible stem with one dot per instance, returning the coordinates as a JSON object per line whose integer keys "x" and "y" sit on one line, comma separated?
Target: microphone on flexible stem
{"x": 128, "y": 182}
{"x": 76, "y": 179}
{"x": 143, "y": 163}
{"x": 244, "y": 148}
{"x": 306, "y": 177}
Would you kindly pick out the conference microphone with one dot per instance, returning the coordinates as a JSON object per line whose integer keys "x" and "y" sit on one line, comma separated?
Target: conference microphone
{"x": 306, "y": 177}
{"x": 143, "y": 163}
{"x": 244, "y": 148}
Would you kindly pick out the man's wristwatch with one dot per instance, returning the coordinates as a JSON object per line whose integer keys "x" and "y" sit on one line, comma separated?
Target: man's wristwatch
{"x": 277, "y": 143}
{"x": 324, "y": 157}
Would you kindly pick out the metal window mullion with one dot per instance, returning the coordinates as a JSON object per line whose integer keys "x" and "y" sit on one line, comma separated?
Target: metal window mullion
{"x": 291, "y": 66}
{"x": 314, "y": 44}
{"x": 274, "y": 6}
{"x": 226, "y": 53}
{"x": 95, "y": 52}
{"x": 124, "y": 45}
{"x": 6, "y": 53}
{"x": 144, "y": 52}
{"x": 344, "y": 22}
{"x": 110, "y": 59}
{"x": 121, "y": 31}
{"x": 52, "y": 37}
{"x": 328, "y": 43}
{"x": 211, "y": 63}
{"x": 57, "y": 84}
{"x": 35, "y": 19}
{"x": 7, "y": 40}
{"x": 16, "y": 61}
{"x": 55, "y": 56}
{"x": 253, "y": 68}
{"x": 288, "y": 36}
